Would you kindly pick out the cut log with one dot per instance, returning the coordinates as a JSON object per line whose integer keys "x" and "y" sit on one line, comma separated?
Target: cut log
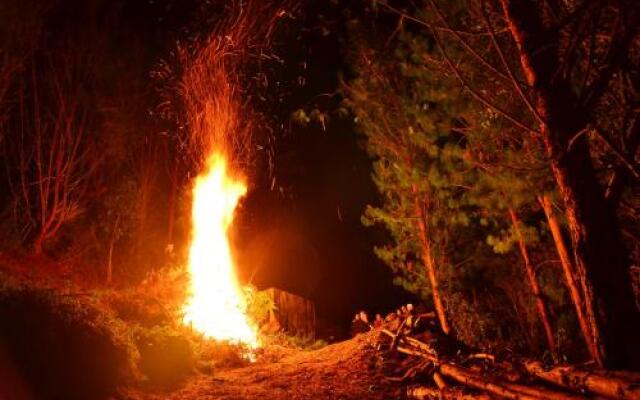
{"x": 573, "y": 378}
{"x": 421, "y": 345}
{"x": 425, "y": 392}
{"x": 504, "y": 379}
{"x": 502, "y": 389}
{"x": 427, "y": 315}
{"x": 439, "y": 380}
{"x": 416, "y": 353}
{"x": 480, "y": 356}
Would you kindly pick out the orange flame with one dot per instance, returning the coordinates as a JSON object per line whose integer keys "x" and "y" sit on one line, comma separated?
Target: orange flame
{"x": 216, "y": 306}
{"x": 221, "y": 123}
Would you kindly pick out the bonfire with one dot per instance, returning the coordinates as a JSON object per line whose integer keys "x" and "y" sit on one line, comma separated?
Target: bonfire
{"x": 220, "y": 141}
{"x": 216, "y": 307}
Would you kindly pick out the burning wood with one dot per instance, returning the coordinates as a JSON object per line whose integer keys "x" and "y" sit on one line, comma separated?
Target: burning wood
{"x": 414, "y": 350}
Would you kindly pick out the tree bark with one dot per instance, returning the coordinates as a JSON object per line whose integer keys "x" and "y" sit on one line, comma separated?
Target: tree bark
{"x": 569, "y": 274}
{"x": 430, "y": 265}
{"x": 600, "y": 257}
{"x": 541, "y": 304}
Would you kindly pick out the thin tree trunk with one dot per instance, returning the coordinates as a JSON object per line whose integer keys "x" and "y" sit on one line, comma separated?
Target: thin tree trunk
{"x": 601, "y": 260}
{"x": 541, "y": 305}
{"x": 430, "y": 265}
{"x": 112, "y": 243}
{"x": 569, "y": 274}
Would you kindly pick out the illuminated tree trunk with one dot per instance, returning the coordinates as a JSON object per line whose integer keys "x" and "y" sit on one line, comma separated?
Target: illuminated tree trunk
{"x": 430, "y": 265}
{"x": 541, "y": 305}
{"x": 569, "y": 273}
{"x": 112, "y": 243}
{"x": 601, "y": 262}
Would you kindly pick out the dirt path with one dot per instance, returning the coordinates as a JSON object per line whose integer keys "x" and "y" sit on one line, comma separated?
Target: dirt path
{"x": 344, "y": 370}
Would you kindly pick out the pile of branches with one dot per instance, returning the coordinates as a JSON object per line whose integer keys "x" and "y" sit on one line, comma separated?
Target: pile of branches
{"x": 412, "y": 350}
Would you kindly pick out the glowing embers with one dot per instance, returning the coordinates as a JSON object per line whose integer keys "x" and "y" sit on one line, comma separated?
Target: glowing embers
{"x": 216, "y": 306}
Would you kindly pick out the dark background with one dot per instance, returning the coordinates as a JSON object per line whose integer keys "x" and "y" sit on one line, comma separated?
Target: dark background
{"x": 305, "y": 234}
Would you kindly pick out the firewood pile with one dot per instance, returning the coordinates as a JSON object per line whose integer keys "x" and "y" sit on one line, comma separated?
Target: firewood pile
{"x": 413, "y": 351}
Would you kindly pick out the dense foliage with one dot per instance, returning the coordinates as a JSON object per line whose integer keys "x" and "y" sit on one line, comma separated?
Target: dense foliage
{"x": 465, "y": 177}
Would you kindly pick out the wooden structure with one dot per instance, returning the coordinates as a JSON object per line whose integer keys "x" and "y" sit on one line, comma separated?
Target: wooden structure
{"x": 294, "y": 314}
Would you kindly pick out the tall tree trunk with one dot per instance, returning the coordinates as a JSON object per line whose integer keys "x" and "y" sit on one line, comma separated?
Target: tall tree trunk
{"x": 569, "y": 274}
{"x": 430, "y": 265}
{"x": 541, "y": 304}
{"x": 600, "y": 257}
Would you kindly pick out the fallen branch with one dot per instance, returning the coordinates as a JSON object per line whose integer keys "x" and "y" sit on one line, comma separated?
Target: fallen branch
{"x": 445, "y": 361}
{"x": 439, "y": 380}
{"x": 502, "y": 389}
{"x": 412, "y": 352}
{"x": 421, "y": 345}
{"x": 480, "y": 356}
{"x": 449, "y": 393}
{"x": 573, "y": 378}
{"x": 411, "y": 372}
{"x": 398, "y": 334}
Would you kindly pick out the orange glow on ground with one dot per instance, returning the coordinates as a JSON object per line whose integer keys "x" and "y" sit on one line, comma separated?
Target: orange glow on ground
{"x": 216, "y": 306}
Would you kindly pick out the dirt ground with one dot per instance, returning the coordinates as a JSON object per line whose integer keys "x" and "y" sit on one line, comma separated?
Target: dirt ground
{"x": 344, "y": 370}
